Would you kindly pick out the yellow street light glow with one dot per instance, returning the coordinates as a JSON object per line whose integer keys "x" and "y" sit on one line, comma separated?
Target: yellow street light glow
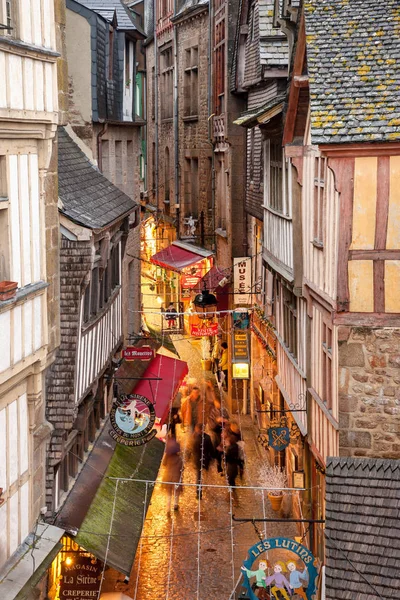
{"x": 68, "y": 561}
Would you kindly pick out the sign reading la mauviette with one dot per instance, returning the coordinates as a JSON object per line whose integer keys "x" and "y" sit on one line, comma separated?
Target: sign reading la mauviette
{"x": 80, "y": 579}
{"x": 132, "y": 418}
{"x": 131, "y": 353}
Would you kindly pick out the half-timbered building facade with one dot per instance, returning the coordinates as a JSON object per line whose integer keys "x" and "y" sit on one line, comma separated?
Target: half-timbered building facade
{"x": 341, "y": 135}
{"x": 94, "y": 222}
{"x": 29, "y": 318}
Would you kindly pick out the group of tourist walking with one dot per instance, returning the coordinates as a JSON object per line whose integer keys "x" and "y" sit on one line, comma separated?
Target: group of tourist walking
{"x": 210, "y": 438}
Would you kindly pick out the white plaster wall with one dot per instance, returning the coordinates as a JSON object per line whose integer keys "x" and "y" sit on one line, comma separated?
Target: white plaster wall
{"x": 79, "y": 64}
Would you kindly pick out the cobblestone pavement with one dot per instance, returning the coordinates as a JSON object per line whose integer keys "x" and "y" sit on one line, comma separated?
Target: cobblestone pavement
{"x": 176, "y": 562}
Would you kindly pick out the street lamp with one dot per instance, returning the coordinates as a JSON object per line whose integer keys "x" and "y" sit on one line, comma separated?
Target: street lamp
{"x": 205, "y": 305}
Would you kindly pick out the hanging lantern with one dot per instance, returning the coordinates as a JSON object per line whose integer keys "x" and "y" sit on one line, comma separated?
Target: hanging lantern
{"x": 205, "y": 305}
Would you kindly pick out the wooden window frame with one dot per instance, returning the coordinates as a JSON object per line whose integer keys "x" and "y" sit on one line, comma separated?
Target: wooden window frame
{"x": 320, "y": 178}
{"x": 9, "y": 18}
{"x": 167, "y": 83}
{"x": 327, "y": 364}
{"x": 289, "y": 317}
{"x": 191, "y": 83}
{"x": 219, "y": 53}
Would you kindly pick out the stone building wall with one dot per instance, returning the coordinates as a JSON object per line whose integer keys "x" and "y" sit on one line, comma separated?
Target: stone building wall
{"x": 194, "y": 133}
{"x": 369, "y": 392}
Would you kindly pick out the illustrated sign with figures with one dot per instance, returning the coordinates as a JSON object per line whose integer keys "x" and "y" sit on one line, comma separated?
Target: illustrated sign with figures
{"x": 191, "y": 276}
{"x": 284, "y": 567}
{"x": 278, "y": 438}
{"x": 132, "y": 418}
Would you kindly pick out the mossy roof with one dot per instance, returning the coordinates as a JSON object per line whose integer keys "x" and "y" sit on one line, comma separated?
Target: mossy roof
{"x": 141, "y": 462}
{"x": 353, "y": 60}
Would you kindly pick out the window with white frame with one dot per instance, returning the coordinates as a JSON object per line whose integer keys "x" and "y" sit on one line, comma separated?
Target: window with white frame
{"x": 327, "y": 364}
{"x": 4, "y": 223}
{"x": 320, "y": 176}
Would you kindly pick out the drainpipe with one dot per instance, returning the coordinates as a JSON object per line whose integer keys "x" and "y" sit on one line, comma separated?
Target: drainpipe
{"x": 156, "y": 101}
{"x": 99, "y": 146}
{"x": 176, "y": 126}
{"x": 210, "y": 115}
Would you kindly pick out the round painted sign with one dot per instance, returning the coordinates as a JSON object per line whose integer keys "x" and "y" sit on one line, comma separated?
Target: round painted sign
{"x": 132, "y": 418}
{"x": 283, "y": 566}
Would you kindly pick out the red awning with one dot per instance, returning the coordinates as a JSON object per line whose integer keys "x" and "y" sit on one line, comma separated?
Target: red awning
{"x": 162, "y": 392}
{"x": 213, "y": 278}
{"x": 178, "y": 256}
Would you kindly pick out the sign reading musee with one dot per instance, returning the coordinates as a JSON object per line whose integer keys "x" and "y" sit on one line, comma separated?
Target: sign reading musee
{"x": 80, "y": 577}
{"x": 242, "y": 280}
{"x": 143, "y": 353}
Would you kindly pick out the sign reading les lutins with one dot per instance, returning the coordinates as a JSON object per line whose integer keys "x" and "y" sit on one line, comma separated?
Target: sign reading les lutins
{"x": 80, "y": 578}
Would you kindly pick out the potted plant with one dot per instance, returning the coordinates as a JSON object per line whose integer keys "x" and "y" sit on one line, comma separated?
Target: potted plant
{"x": 8, "y": 289}
{"x": 276, "y": 478}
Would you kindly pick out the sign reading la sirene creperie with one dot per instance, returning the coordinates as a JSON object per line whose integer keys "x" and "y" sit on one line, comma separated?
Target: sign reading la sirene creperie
{"x": 132, "y": 417}
{"x": 80, "y": 577}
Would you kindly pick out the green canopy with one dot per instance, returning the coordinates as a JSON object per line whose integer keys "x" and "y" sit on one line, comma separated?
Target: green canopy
{"x": 141, "y": 462}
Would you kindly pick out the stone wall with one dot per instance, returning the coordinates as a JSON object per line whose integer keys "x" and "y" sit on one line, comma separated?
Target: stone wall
{"x": 369, "y": 392}
{"x": 193, "y": 133}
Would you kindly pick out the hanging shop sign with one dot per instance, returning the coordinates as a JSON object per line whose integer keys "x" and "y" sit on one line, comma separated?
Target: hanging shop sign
{"x": 241, "y": 318}
{"x": 80, "y": 577}
{"x": 204, "y": 330}
{"x": 131, "y": 353}
{"x": 191, "y": 276}
{"x": 240, "y": 346}
{"x": 186, "y": 294}
{"x": 132, "y": 418}
{"x": 278, "y": 438}
{"x": 242, "y": 280}
{"x": 299, "y": 479}
{"x": 283, "y": 567}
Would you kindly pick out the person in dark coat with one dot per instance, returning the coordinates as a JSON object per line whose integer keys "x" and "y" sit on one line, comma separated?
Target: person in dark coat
{"x": 173, "y": 472}
{"x": 232, "y": 459}
{"x": 202, "y": 453}
{"x": 217, "y": 419}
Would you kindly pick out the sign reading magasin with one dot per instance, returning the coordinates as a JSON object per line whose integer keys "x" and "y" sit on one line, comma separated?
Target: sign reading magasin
{"x": 132, "y": 418}
{"x": 80, "y": 578}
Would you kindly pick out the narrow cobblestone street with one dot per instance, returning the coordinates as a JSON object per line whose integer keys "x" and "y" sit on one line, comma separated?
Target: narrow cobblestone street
{"x": 196, "y": 553}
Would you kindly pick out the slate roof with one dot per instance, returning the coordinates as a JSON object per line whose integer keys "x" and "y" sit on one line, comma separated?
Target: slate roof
{"x": 274, "y": 48}
{"x": 362, "y": 528}
{"x": 259, "y": 114}
{"x": 189, "y": 5}
{"x": 353, "y": 57}
{"x": 88, "y": 197}
{"x": 105, "y": 8}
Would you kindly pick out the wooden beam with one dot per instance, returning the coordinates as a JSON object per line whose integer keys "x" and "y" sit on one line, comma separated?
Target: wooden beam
{"x": 300, "y": 81}
{"x": 365, "y": 149}
{"x": 374, "y": 255}
{"x": 379, "y": 286}
{"x": 367, "y": 319}
{"x": 343, "y": 169}
{"x": 382, "y": 202}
